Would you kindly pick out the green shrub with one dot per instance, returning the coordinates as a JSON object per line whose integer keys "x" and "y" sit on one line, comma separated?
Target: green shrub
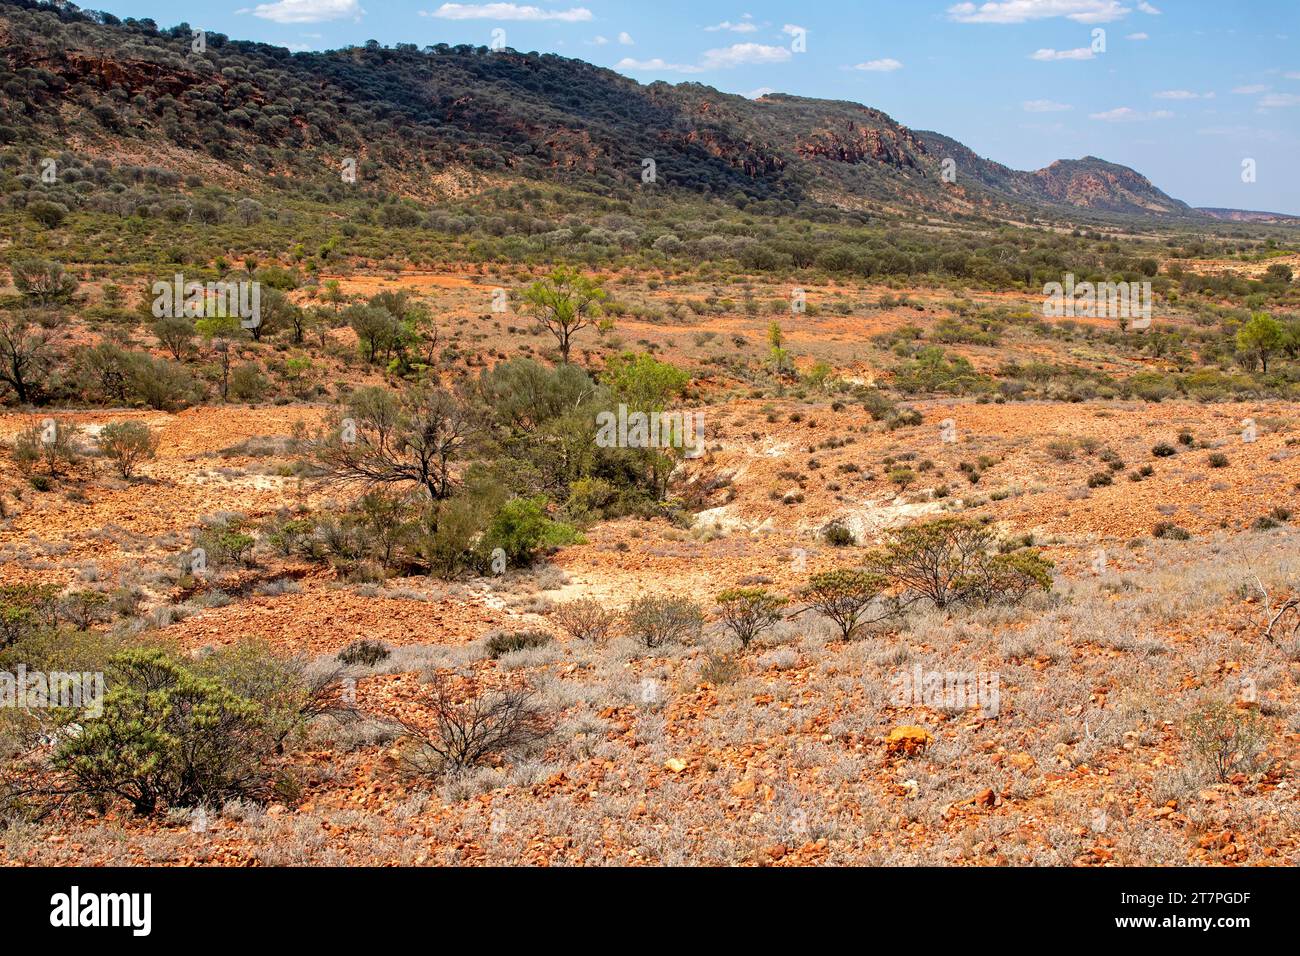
{"x": 1225, "y": 740}
{"x": 844, "y": 596}
{"x": 1170, "y": 531}
{"x": 838, "y": 535}
{"x": 521, "y": 528}
{"x": 126, "y": 444}
{"x": 365, "y": 652}
{"x": 26, "y": 609}
{"x": 948, "y": 561}
{"x": 54, "y": 444}
{"x": 168, "y": 736}
{"x": 247, "y": 383}
{"x": 656, "y": 621}
{"x": 747, "y": 612}
{"x": 507, "y": 642}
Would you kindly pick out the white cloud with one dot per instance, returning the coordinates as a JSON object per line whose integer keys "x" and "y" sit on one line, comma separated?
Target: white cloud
{"x": 1045, "y": 106}
{"x": 656, "y": 65}
{"x": 508, "y": 11}
{"x": 723, "y": 58}
{"x": 625, "y": 38}
{"x": 1251, "y": 89}
{"x": 1137, "y": 36}
{"x": 1181, "y": 95}
{"x": 599, "y": 41}
{"x": 759, "y": 93}
{"x": 744, "y": 26}
{"x": 1275, "y": 100}
{"x": 1293, "y": 75}
{"x": 1147, "y": 8}
{"x": 1125, "y": 114}
{"x": 1082, "y": 53}
{"x": 744, "y": 54}
{"x": 305, "y": 11}
{"x": 887, "y": 65}
{"x": 792, "y": 30}
{"x": 1022, "y": 11}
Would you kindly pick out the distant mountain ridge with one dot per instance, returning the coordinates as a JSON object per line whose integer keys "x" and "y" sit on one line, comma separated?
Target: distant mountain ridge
{"x": 257, "y": 107}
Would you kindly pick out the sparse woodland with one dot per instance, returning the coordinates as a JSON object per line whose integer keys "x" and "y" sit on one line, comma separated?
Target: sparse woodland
{"x": 367, "y": 584}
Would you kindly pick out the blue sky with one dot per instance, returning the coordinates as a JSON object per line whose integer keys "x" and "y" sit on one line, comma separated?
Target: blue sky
{"x": 1184, "y": 91}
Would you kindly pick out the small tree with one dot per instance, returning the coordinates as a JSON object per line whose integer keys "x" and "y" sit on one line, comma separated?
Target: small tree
{"x": 175, "y": 334}
{"x": 747, "y": 612}
{"x": 845, "y": 596}
{"x": 127, "y": 444}
{"x": 1262, "y": 335}
{"x": 222, "y": 332}
{"x": 377, "y": 330}
{"x": 26, "y": 355}
{"x": 565, "y": 302}
{"x": 386, "y": 439}
{"x": 948, "y": 561}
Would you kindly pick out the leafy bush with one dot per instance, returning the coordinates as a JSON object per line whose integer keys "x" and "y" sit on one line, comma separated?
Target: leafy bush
{"x": 26, "y": 609}
{"x": 585, "y": 619}
{"x": 656, "y": 621}
{"x": 56, "y": 445}
{"x": 845, "y": 596}
{"x": 507, "y": 642}
{"x": 167, "y": 736}
{"x": 247, "y": 383}
{"x": 1218, "y": 460}
{"x": 224, "y": 544}
{"x": 838, "y": 535}
{"x": 1170, "y": 531}
{"x": 42, "y": 281}
{"x": 126, "y": 444}
{"x": 160, "y": 383}
{"x": 365, "y": 652}
{"x": 949, "y": 562}
{"x": 521, "y": 528}
{"x": 1225, "y": 740}
{"x": 1164, "y": 450}
{"x": 747, "y": 612}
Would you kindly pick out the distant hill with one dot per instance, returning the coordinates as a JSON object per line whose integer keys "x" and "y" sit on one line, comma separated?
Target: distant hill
{"x": 1245, "y": 215}
{"x": 127, "y": 88}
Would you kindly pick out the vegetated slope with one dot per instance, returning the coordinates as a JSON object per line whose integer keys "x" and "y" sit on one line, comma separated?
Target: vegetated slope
{"x": 89, "y": 78}
{"x": 1087, "y": 183}
{"x": 1244, "y": 215}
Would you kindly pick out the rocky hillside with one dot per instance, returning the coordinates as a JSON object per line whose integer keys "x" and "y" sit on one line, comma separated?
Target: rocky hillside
{"x": 130, "y": 88}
